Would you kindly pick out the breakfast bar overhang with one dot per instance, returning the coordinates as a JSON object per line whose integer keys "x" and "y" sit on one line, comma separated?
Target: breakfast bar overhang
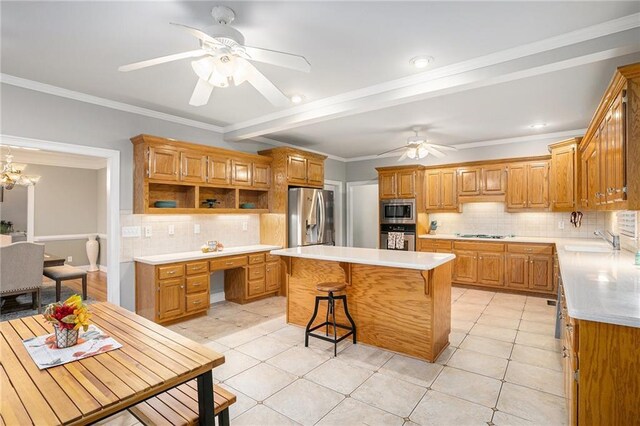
{"x": 400, "y": 301}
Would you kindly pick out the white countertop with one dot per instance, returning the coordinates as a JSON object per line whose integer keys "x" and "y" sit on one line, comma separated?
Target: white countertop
{"x": 366, "y": 256}
{"x": 602, "y": 287}
{"x": 160, "y": 259}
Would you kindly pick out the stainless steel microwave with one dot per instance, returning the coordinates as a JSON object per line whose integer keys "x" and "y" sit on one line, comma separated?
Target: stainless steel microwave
{"x": 398, "y": 211}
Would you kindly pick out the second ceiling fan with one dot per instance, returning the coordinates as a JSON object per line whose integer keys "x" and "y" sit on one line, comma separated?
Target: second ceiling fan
{"x": 225, "y": 60}
{"x": 418, "y": 147}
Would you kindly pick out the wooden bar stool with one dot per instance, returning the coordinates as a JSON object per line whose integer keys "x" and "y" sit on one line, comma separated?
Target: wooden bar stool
{"x": 330, "y": 287}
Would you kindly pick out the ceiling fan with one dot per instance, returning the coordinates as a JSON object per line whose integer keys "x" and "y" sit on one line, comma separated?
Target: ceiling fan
{"x": 225, "y": 59}
{"x": 418, "y": 147}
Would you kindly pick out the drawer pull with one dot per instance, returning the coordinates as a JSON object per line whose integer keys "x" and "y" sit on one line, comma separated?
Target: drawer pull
{"x": 528, "y": 249}
{"x": 195, "y": 268}
{"x": 171, "y": 272}
{"x": 197, "y": 302}
{"x": 229, "y": 263}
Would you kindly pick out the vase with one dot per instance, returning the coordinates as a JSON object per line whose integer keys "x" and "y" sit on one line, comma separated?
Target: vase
{"x": 65, "y": 338}
{"x": 93, "y": 248}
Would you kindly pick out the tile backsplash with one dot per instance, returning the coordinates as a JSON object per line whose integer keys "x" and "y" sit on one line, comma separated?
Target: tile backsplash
{"x": 228, "y": 229}
{"x": 490, "y": 218}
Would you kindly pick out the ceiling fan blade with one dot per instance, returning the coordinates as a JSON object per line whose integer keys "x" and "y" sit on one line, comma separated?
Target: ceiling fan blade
{"x": 392, "y": 150}
{"x": 261, "y": 83}
{"x": 199, "y": 34}
{"x": 403, "y": 156}
{"x": 162, "y": 60}
{"x": 280, "y": 59}
{"x": 443, "y": 147}
{"x": 201, "y": 93}
{"x": 433, "y": 151}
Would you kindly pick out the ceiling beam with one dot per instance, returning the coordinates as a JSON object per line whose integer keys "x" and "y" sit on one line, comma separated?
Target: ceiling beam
{"x": 592, "y": 44}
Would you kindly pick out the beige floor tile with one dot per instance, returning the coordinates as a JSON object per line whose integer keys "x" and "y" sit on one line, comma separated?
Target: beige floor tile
{"x": 504, "y": 419}
{"x": 339, "y": 376}
{"x": 536, "y": 300}
{"x": 123, "y": 418}
{"x": 464, "y": 316}
{"x": 412, "y": 370}
{"x": 234, "y": 363}
{"x": 468, "y": 386}
{"x": 475, "y": 362}
{"x": 461, "y": 306}
{"x": 549, "y": 343}
{"x": 502, "y": 322}
{"x": 473, "y": 300}
{"x": 510, "y": 298}
{"x": 548, "y": 328}
{"x": 304, "y": 401}
{"x": 352, "y": 412}
{"x": 272, "y": 325}
{"x": 541, "y": 309}
{"x": 439, "y": 409}
{"x": 241, "y": 337}
{"x": 190, "y": 334}
{"x": 364, "y": 356}
{"x": 497, "y": 333}
{"x": 540, "y": 407}
{"x": 538, "y": 357}
{"x": 263, "y": 348}
{"x": 487, "y": 346}
{"x": 393, "y": 395}
{"x": 216, "y": 346}
{"x": 503, "y": 311}
{"x": 461, "y": 325}
{"x": 547, "y": 318}
{"x": 542, "y": 379}
{"x": 261, "y": 381}
{"x": 244, "y": 318}
{"x": 299, "y": 360}
{"x": 243, "y": 402}
{"x": 445, "y": 355}
{"x": 290, "y": 334}
{"x": 456, "y": 337}
{"x": 262, "y": 416}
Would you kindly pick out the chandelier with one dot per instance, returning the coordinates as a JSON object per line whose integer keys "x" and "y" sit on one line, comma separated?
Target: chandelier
{"x": 11, "y": 174}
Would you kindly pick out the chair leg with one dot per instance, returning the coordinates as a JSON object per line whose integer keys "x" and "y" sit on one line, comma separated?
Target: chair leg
{"x": 313, "y": 317}
{"x": 333, "y": 320}
{"x": 223, "y": 417}
{"x": 346, "y": 312}
{"x": 34, "y": 299}
{"x": 326, "y": 319}
{"x": 84, "y": 287}
{"x": 58, "y": 289}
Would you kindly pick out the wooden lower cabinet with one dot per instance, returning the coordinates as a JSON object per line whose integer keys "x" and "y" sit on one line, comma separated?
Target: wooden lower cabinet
{"x": 465, "y": 268}
{"x": 479, "y": 263}
{"x": 170, "y": 292}
{"x": 491, "y": 269}
{"x": 530, "y": 267}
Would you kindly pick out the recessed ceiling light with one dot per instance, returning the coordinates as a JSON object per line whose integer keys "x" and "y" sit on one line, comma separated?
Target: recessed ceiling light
{"x": 538, "y": 125}
{"x": 421, "y": 61}
{"x": 296, "y": 99}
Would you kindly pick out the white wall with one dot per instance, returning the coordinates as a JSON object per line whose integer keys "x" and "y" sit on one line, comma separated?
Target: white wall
{"x": 363, "y": 216}
{"x": 14, "y": 207}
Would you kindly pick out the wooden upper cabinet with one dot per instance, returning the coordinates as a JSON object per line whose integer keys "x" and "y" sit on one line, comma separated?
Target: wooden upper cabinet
{"x": 240, "y": 173}
{"x": 469, "y": 182}
{"x": 441, "y": 190}
{"x": 493, "y": 180}
{"x": 387, "y": 184}
{"x": 163, "y": 163}
{"x": 433, "y": 187}
{"x": 219, "y": 170}
{"x": 193, "y": 167}
{"x": 590, "y": 172}
{"x": 406, "y": 184}
{"x": 528, "y": 186}
{"x": 617, "y": 182}
{"x": 315, "y": 172}
{"x": 296, "y": 169}
{"x": 563, "y": 177}
{"x": 261, "y": 175}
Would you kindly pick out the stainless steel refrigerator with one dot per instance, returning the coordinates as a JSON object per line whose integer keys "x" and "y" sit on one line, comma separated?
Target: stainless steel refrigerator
{"x": 310, "y": 217}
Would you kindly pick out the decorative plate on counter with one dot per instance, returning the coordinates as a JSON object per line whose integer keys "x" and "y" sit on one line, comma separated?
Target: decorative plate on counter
{"x": 165, "y": 204}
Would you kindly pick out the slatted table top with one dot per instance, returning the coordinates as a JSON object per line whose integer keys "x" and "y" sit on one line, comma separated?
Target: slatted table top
{"x": 152, "y": 359}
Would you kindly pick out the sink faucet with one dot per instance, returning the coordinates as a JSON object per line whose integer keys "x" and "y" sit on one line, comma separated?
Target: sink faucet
{"x": 614, "y": 241}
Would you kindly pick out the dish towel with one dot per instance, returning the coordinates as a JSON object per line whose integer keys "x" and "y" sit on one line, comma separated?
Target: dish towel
{"x": 395, "y": 241}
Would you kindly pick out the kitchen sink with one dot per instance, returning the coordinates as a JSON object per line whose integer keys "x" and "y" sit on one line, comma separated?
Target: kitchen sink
{"x": 588, "y": 249}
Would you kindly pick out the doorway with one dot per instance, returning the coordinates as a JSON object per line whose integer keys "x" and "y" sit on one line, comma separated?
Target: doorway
{"x": 362, "y": 214}
{"x": 338, "y": 208}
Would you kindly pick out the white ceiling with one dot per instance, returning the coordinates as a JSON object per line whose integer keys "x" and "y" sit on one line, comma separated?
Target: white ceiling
{"x": 51, "y": 158}
{"x": 351, "y": 45}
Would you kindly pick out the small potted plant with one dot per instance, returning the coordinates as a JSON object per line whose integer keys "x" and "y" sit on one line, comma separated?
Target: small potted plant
{"x": 67, "y": 318}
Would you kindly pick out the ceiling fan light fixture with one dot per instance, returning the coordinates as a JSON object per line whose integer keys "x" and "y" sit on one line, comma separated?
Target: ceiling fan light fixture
{"x": 422, "y": 152}
{"x": 296, "y": 99}
{"x": 421, "y": 61}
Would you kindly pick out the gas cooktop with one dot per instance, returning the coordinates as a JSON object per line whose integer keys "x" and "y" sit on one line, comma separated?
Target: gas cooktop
{"x": 487, "y": 236}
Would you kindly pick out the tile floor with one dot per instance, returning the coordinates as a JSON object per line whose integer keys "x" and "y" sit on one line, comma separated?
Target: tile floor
{"x": 503, "y": 368}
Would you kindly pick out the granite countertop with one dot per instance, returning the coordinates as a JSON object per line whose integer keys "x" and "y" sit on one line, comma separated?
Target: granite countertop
{"x": 160, "y": 259}
{"x": 367, "y": 256}
{"x": 601, "y": 286}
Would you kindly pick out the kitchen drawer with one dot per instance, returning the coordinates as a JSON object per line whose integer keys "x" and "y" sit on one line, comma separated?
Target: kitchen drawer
{"x": 255, "y": 259}
{"x": 255, "y": 288}
{"x": 478, "y": 246}
{"x": 197, "y": 283}
{"x": 272, "y": 258}
{"x": 197, "y": 301}
{"x": 194, "y": 268}
{"x": 429, "y": 244}
{"x": 171, "y": 271}
{"x": 256, "y": 272}
{"x": 227, "y": 263}
{"x": 530, "y": 248}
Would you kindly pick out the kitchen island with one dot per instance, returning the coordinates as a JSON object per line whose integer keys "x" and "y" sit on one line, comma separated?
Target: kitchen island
{"x": 400, "y": 301}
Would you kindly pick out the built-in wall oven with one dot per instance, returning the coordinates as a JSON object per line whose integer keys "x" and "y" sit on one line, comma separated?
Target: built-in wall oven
{"x": 398, "y": 211}
{"x": 409, "y": 236}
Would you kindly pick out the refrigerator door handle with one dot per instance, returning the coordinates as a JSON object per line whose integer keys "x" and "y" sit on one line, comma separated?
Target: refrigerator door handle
{"x": 321, "y": 224}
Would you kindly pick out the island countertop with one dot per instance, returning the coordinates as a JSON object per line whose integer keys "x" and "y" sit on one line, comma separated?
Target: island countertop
{"x": 366, "y": 256}
{"x": 161, "y": 259}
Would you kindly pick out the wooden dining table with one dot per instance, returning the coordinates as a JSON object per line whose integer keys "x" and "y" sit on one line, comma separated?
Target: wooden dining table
{"x": 152, "y": 359}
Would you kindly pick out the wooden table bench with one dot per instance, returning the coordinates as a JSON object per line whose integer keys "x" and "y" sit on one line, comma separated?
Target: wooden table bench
{"x": 179, "y": 407}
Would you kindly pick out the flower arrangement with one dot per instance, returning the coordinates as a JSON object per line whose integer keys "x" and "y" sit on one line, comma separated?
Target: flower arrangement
{"x": 67, "y": 318}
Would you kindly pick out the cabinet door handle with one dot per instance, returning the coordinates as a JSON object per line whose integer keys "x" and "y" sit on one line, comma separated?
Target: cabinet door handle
{"x": 197, "y": 302}
{"x": 171, "y": 272}
{"x": 181, "y": 286}
{"x": 229, "y": 263}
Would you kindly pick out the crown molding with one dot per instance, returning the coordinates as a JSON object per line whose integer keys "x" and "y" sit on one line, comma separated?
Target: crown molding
{"x": 269, "y": 141}
{"x": 407, "y": 87}
{"x": 479, "y": 144}
{"x": 107, "y": 103}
